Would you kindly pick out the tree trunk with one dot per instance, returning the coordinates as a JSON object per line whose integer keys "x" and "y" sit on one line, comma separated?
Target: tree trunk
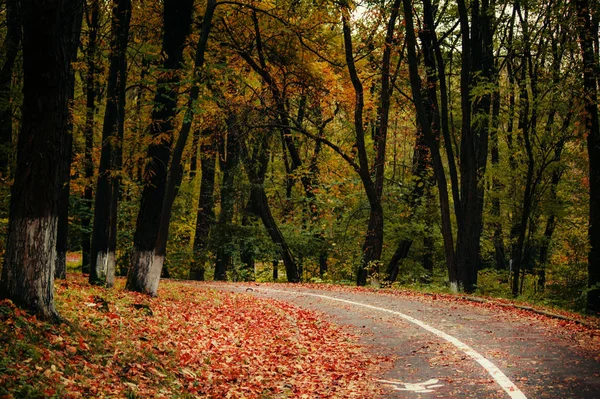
{"x": 142, "y": 275}
{"x": 90, "y": 104}
{"x": 206, "y": 213}
{"x": 587, "y": 35}
{"x": 477, "y": 67}
{"x": 194, "y": 158}
{"x": 62, "y": 239}
{"x": 256, "y": 169}
{"x": 224, "y": 228}
{"x": 427, "y": 120}
{"x": 49, "y": 28}
{"x": 373, "y": 244}
{"x": 175, "y": 173}
{"x": 8, "y": 52}
{"x": 104, "y": 234}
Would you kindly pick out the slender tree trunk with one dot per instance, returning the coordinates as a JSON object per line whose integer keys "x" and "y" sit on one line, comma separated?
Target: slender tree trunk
{"x": 49, "y": 30}
{"x": 587, "y": 34}
{"x": 373, "y": 244}
{"x": 256, "y": 169}
{"x": 206, "y": 213}
{"x": 90, "y": 93}
{"x": 497, "y": 233}
{"x": 142, "y": 275}
{"x": 62, "y": 241}
{"x": 175, "y": 173}
{"x": 224, "y": 229}
{"x": 104, "y": 235}
{"x": 194, "y": 158}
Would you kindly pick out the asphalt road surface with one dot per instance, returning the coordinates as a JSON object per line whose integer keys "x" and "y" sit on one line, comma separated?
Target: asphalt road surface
{"x": 453, "y": 349}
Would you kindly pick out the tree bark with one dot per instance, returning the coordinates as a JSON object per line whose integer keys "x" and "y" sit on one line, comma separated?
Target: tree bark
{"x": 49, "y": 29}
{"x": 93, "y": 21}
{"x": 256, "y": 169}
{"x": 104, "y": 234}
{"x": 206, "y": 213}
{"x": 587, "y": 35}
{"x": 427, "y": 120}
{"x": 175, "y": 173}
{"x": 477, "y": 67}
{"x": 373, "y": 244}
{"x": 142, "y": 275}
{"x": 224, "y": 227}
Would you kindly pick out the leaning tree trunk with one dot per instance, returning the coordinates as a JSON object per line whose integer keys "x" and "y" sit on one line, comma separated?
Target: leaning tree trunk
{"x": 142, "y": 276}
{"x": 587, "y": 35}
{"x": 49, "y": 29}
{"x": 104, "y": 234}
{"x": 256, "y": 169}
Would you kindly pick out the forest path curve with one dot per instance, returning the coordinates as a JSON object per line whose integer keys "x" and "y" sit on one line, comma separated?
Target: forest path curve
{"x": 451, "y": 349}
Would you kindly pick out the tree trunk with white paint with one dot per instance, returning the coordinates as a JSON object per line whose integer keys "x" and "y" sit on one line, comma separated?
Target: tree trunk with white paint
{"x": 146, "y": 263}
{"x": 104, "y": 234}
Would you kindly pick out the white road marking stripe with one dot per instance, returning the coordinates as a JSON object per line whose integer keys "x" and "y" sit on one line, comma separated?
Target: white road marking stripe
{"x": 497, "y": 374}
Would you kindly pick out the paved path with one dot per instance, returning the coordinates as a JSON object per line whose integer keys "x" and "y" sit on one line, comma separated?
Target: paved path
{"x": 445, "y": 349}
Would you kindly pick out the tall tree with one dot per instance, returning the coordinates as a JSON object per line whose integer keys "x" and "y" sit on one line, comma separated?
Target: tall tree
{"x": 49, "y": 29}
{"x": 588, "y": 40}
{"x": 175, "y": 172}
{"x": 372, "y": 181}
{"x": 91, "y": 59}
{"x": 104, "y": 234}
{"x": 142, "y": 275}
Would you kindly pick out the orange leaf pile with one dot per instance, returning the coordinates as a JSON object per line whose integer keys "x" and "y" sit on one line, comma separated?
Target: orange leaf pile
{"x": 187, "y": 343}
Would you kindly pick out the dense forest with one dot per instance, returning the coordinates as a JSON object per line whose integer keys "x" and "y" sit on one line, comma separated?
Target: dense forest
{"x": 381, "y": 141}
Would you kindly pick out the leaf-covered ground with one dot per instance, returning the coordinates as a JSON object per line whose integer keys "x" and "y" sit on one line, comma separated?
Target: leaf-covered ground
{"x": 186, "y": 343}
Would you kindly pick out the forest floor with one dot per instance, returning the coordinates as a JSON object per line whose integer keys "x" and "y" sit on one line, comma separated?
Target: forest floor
{"x": 186, "y": 343}
{"x": 248, "y": 340}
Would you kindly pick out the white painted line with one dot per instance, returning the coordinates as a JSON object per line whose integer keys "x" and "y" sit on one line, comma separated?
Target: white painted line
{"x": 497, "y": 374}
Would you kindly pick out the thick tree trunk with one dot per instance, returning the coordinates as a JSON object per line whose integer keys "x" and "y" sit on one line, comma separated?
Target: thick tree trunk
{"x": 477, "y": 67}
{"x": 8, "y": 53}
{"x": 90, "y": 104}
{"x": 587, "y": 35}
{"x": 142, "y": 275}
{"x": 104, "y": 235}
{"x": 206, "y": 213}
{"x": 49, "y": 28}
